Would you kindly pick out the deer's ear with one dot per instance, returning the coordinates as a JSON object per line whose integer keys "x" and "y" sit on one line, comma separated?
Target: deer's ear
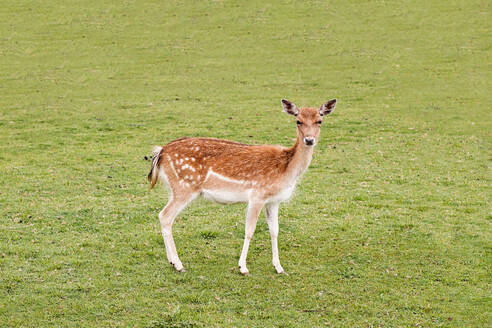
{"x": 328, "y": 108}
{"x": 289, "y": 108}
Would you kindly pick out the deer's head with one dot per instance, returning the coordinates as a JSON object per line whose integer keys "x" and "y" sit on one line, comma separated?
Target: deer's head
{"x": 309, "y": 119}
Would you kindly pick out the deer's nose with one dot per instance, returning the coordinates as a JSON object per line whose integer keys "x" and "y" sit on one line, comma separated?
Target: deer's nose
{"x": 309, "y": 141}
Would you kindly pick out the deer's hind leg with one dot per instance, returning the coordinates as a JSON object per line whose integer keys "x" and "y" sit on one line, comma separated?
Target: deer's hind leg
{"x": 177, "y": 202}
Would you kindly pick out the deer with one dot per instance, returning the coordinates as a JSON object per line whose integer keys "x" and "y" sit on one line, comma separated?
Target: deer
{"x": 228, "y": 172}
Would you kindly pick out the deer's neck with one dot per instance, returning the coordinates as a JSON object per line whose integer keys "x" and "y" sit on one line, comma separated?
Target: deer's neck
{"x": 301, "y": 156}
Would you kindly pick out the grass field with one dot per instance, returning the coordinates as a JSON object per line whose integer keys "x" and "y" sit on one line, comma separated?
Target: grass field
{"x": 390, "y": 226}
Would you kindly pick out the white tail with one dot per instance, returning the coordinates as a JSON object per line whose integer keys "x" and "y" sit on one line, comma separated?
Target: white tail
{"x": 229, "y": 172}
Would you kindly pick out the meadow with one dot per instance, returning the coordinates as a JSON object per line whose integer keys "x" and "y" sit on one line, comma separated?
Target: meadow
{"x": 389, "y": 227}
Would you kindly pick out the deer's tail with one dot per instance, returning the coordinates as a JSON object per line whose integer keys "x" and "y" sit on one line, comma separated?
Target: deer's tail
{"x": 153, "y": 175}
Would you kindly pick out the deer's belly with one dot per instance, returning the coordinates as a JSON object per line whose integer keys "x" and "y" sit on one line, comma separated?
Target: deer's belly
{"x": 225, "y": 190}
{"x": 222, "y": 196}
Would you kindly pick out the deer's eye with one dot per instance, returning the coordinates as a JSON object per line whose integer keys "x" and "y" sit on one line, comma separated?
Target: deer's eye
{"x": 299, "y": 123}
{"x": 319, "y": 122}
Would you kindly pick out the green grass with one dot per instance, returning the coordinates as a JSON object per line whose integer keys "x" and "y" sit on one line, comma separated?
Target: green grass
{"x": 390, "y": 226}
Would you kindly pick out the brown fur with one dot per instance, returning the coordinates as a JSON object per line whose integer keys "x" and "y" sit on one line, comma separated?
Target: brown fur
{"x": 231, "y": 159}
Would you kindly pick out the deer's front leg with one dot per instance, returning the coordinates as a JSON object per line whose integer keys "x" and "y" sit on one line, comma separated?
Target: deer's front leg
{"x": 254, "y": 209}
{"x": 272, "y": 220}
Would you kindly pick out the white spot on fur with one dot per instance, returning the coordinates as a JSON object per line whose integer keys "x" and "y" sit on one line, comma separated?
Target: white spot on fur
{"x": 186, "y": 158}
{"x": 193, "y": 159}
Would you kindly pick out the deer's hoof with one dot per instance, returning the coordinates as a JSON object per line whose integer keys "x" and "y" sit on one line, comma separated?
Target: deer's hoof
{"x": 279, "y": 269}
{"x": 179, "y": 267}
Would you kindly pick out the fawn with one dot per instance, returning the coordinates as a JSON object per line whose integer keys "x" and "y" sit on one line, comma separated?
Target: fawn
{"x": 229, "y": 172}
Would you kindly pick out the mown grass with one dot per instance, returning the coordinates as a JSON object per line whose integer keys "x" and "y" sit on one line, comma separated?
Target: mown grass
{"x": 390, "y": 226}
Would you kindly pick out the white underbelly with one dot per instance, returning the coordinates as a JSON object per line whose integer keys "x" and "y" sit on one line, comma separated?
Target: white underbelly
{"x": 227, "y": 196}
